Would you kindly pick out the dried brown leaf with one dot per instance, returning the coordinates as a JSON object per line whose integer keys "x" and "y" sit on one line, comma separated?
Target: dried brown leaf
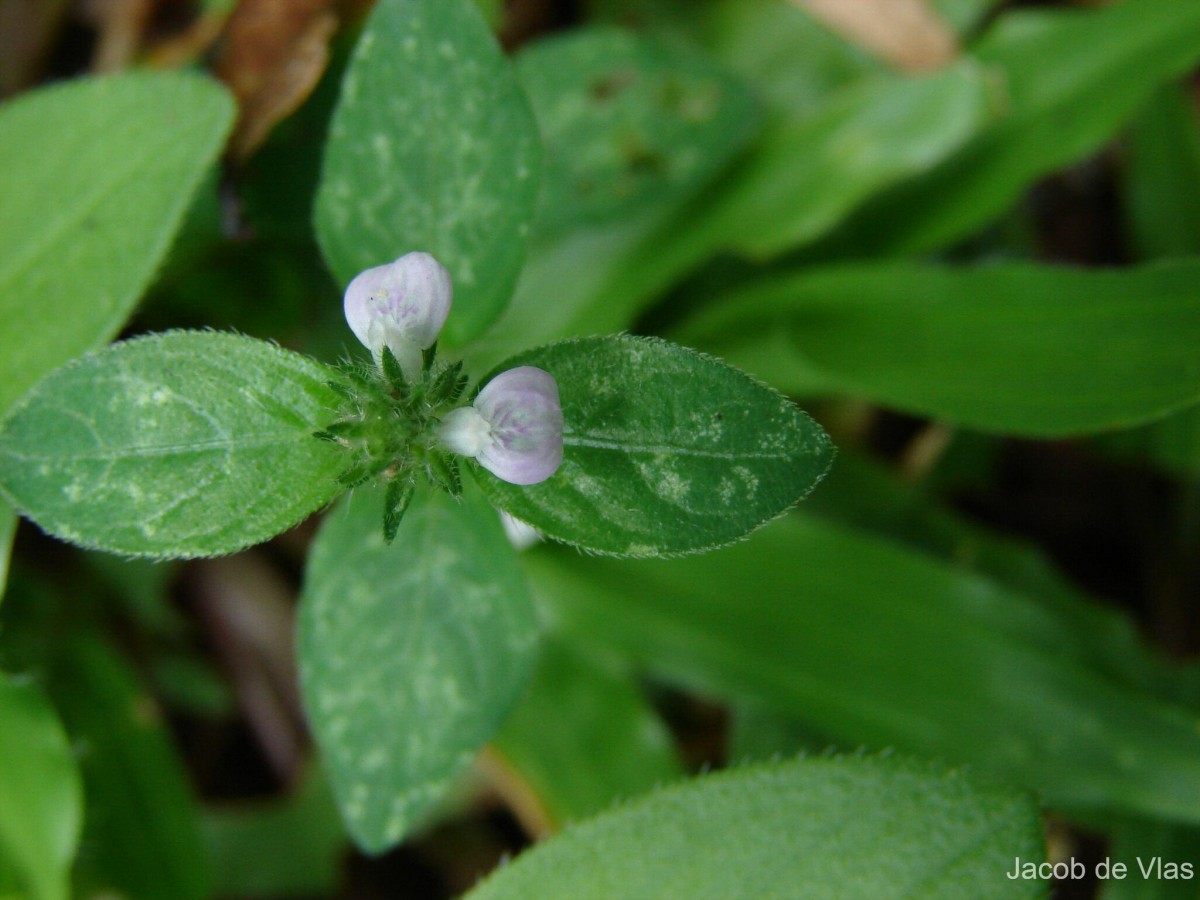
{"x": 188, "y": 46}
{"x": 27, "y": 31}
{"x": 271, "y": 56}
{"x": 120, "y": 25}
{"x": 908, "y": 34}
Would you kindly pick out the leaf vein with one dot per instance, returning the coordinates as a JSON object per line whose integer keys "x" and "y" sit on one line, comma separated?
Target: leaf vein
{"x": 600, "y": 443}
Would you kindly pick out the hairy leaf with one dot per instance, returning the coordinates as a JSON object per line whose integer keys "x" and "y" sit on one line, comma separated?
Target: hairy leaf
{"x": 177, "y": 445}
{"x": 847, "y": 828}
{"x": 432, "y": 148}
{"x": 666, "y": 452}
{"x": 410, "y": 653}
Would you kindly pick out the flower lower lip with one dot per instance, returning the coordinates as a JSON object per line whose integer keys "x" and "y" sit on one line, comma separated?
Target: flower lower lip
{"x": 515, "y": 427}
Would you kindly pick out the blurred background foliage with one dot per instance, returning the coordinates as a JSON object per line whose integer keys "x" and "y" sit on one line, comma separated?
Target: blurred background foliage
{"x": 962, "y": 233}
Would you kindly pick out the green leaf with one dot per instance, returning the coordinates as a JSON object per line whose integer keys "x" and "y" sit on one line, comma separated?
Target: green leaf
{"x": 666, "y": 451}
{"x": 1106, "y": 63}
{"x": 492, "y": 10}
{"x": 142, "y": 830}
{"x": 576, "y": 286}
{"x": 143, "y": 591}
{"x": 1100, "y": 637}
{"x": 804, "y": 176}
{"x": 96, "y": 178}
{"x": 292, "y": 846}
{"x": 791, "y": 60}
{"x": 1172, "y": 443}
{"x": 628, "y": 123}
{"x": 1162, "y": 196}
{"x": 432, "y": 147}
{"x": 41, "y": 797}
{"x": 842, "y": 828}
{"x": 1017, "y": 349}
{"x": 410, "y": 654}
{"x": 758, "y": 733}
{"x": 181, "y": 444}
{"x": 875, "y": 644}
{"x": 1140, "y": 843}
{"x": 584, "y": 737}
{"x": 1162, "y": 176}
{"x": 866, "y": 496}
{"x": 810, "y": 172}
{"x": 579, "y": 281}
{"x": 141, "y": 836}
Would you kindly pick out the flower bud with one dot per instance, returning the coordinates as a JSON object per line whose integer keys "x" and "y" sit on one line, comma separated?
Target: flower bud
{"x": 402, "y": 306}
{"x": 514, "y": 428}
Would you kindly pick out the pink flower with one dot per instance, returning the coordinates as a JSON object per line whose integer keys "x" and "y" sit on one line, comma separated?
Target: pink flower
{"x": 402, "y": 306}
{"x": 514, "y": 428}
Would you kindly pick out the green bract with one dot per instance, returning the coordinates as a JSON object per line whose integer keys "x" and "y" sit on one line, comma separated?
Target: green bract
{"x": 667, "y": 451}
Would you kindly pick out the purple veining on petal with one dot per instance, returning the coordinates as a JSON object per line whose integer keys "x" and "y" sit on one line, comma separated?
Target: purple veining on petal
{"x": 407, "y": 300}
{"x": 522, "y": 406}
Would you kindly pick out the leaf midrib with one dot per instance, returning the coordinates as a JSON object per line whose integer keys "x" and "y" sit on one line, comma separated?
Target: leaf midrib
{"x": 595, "y": 442}
{"x": 153, "y": 450}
